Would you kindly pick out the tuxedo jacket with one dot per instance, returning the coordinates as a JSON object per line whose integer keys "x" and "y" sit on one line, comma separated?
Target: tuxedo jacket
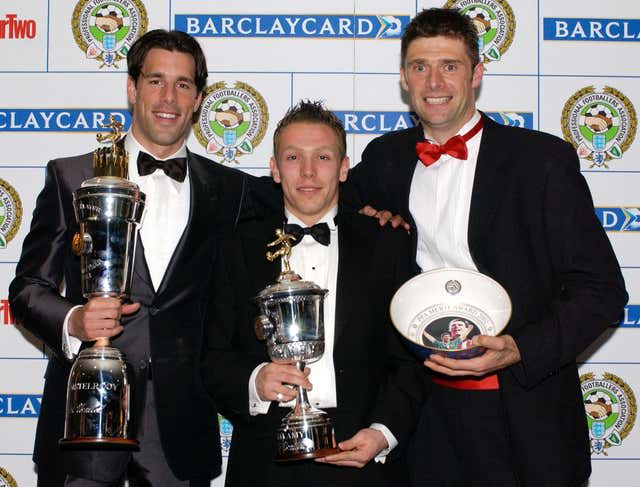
{"x": 169, "y": 331}
{"x": 532, "y": 227}
{"x": 377, "y": 379}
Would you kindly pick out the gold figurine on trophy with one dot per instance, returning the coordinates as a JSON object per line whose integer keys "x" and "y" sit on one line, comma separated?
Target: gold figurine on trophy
{"x": 111, "y": 160}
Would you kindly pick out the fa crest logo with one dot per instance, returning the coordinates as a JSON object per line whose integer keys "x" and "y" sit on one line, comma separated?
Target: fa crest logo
{"x": 601, "y": 124}
{"x": 6, "y": 480}
{"x": 610, "y": 406}
{"x": 105, "y": 29}
{"x": 232, "y": 121}
{"x": 495, "y": 23}
{"x": 10, "y": 213}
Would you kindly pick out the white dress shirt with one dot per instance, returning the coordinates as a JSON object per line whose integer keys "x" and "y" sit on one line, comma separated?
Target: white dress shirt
{"x": 318, "y": 263}
{"x": 163, "y": 222}
{"x": 439, "y": 201}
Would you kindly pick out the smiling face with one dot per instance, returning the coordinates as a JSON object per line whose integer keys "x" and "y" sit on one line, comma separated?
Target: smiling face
{"x": 163, "y": 100}
{"x": 441, "y": 83}
{"x": 309, "y": 167}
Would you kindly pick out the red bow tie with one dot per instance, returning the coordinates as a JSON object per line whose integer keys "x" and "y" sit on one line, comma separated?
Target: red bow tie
{"x": 456, "y": 146}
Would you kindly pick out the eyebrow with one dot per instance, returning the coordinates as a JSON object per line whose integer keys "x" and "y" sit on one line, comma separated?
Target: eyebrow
{"x": 160, "y": 74}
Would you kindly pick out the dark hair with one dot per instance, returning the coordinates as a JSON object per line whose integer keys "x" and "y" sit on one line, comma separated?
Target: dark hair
{"x": 444, "y": 22}
{"x": 312, "y": 112}
{"x": 172, "y": 40}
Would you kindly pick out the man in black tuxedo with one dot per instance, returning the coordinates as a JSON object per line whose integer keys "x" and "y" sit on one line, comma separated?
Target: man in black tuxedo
{"x": 512, "y": 204}
{"x": 366, "y": 381}
{"x": 163, "y": 331}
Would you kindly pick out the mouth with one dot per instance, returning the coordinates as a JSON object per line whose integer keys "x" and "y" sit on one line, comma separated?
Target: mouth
{"x": 169, "y": 116}
{"x": 432, "y": 100}
{"x": 308, "y": 189}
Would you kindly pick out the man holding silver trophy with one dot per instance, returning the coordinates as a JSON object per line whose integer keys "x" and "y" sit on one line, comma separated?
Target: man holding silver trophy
{"x": 367, "y": 384}
{"x": 190, "y": 202}
{"x": 510, "y": 204}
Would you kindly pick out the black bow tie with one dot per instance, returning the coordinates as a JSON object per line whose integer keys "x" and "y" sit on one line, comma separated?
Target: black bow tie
{"x": 174, "y": 168}
{"x": 320, "y": 232}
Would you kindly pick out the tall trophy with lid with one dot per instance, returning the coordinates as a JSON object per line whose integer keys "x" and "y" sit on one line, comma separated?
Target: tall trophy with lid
{"x": 292, "y": 323}
{"x": 108, "y": 208}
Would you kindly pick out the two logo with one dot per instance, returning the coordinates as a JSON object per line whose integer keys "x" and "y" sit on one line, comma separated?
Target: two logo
{"x": 10, "y": 213}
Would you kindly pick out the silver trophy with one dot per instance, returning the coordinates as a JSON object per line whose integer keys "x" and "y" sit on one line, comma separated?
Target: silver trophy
{"x": 108, "y": 208}
{"x": 292, "y": 323}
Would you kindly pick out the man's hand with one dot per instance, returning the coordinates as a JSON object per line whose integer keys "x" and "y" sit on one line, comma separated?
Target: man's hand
{"x": 502, "y": 352}
{"x": 384, "y": 217}
{"x": 358, "y": 450}
{"x": 274, "y": 379}
{"x": 99, "y": 318}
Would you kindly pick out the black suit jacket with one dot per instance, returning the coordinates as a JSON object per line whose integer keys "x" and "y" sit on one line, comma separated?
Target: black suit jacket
{"x": 171, "y": 327}
{"x": 377, "y": 379}
{"x": 532, "y": 227}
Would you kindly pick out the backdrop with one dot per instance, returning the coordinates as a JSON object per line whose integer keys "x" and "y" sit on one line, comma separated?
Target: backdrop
{"x": 565, "y": 67}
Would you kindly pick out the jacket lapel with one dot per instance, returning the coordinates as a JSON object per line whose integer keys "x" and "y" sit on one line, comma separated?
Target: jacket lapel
{"x": 487, "y": 186}
{"x": 204, "y": 194}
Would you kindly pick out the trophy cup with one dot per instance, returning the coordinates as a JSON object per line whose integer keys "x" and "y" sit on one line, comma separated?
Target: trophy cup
{"x": 292, "y": 323}
{"x": 108, "y": 208}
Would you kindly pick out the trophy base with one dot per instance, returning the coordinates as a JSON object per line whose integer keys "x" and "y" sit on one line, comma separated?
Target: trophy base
{"x": 99, "y": 443}
{"x": 306, "y": 437}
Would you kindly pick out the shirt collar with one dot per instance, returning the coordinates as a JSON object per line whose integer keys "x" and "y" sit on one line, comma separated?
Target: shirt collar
{"x": 328, "y": 218}
{"x": 133, "y": 148}
{"x": 463, "y": 130}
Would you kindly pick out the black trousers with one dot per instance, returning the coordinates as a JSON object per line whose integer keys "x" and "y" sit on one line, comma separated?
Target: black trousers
{"x": 462, "y": 441}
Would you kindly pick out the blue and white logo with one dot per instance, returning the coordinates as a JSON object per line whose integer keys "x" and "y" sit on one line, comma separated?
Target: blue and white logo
{"x": 290, "y": 25}
{"x": 594, "y": 30}
{"x": 379, "y": 122}
{"x": 20, "y": 405}
{"x": 619, "y": 219}
{"x": 59, "y": 120}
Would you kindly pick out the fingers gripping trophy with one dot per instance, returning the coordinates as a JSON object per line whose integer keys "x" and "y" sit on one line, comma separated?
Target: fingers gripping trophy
{"x": 108, "y": 208}
{"x": 292, "y": 323}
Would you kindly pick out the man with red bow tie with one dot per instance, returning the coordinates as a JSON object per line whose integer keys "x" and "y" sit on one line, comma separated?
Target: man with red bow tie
{"x": 512, "y": 204}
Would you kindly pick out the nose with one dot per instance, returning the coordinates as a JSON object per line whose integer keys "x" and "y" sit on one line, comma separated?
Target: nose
{"x": 168, "y": 93}
{"x": 307, "y": 168}
{"x": 434, "y": 79}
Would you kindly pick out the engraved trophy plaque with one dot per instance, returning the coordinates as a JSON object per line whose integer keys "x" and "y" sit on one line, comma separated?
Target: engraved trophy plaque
{"x": 292, "y": 323}
{"x": 108, "y": 208}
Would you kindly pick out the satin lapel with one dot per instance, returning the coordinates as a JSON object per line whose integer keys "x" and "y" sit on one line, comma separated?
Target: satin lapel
{"x": 353, "y": 268}
{"x": 407, "y": 156}
{"x": 140, "y": 267}
{"x": 204, "y": 194}
{"x": 488, "y": 187}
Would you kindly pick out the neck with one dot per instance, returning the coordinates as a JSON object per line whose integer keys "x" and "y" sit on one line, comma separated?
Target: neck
{"x": 441, "y": 136}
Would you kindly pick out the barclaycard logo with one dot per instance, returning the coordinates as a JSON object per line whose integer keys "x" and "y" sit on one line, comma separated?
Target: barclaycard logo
{"x": 619, "y": 219}
{"x": 631, "y": 317}
{"x": 59, "y": 120}
{"x": 381, "y": 122}
{"x": 13, "y": 28}
{"x": 288, "y": 25}
{"x": 20, "y": 405}
{"x": 571, "y": 29}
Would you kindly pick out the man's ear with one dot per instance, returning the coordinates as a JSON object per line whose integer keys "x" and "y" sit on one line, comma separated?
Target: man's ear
{"x": 275, "y": 174}
{"x": 131, "y": 91}
{"x": 344, "y": 169}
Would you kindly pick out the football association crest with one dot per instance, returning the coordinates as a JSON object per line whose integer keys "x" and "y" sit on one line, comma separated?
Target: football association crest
{"x": 232, "y": 120}
{"x": 601, "y": 123}
{"x": 610, "y": 406}
{"x": 105, "y": 29}
{"x": 495, "y": 23}
{"x": 6, "y": 480}
{"x": 10, "y": 213}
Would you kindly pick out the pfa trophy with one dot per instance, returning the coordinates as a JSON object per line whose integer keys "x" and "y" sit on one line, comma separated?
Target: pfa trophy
{"x": 108, "y": 208}
{"x": 292, "y": 323}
